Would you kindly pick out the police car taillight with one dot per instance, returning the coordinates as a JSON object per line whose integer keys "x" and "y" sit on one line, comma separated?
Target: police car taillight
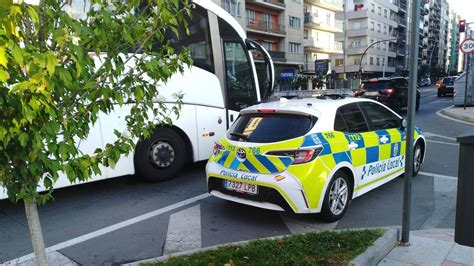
{"x": 299, "y": 156}
{"x": 217, "y": 147}
{"x": 266, "y": 111}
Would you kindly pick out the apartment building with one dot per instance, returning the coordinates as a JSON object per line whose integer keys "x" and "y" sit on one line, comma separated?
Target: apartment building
{"x": 436, "y": 34}
{"x": 320, "y": 27}
{"x": 378, "y": 24}
{"x": 295, "y": 32}
{"x": 452, "y": 54}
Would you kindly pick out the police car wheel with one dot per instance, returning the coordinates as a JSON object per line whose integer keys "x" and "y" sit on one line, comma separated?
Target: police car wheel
{"x": 337, "y": 198}
{"x": 417, "y": 159}
{"x": 161, "y": 156}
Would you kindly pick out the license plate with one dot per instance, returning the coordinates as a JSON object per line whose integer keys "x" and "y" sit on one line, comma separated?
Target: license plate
{"x": 371, "y": 93}
{"x": 241, "y": 187}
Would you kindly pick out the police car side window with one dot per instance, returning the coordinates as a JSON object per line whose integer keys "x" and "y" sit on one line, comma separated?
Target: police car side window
{"x": 339, "y": 123}
{"x": 380, "y": 117}
{"x": 354, "y": 118}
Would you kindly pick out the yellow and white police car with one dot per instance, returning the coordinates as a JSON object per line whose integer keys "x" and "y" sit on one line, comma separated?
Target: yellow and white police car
{"x": 310, "y": 155}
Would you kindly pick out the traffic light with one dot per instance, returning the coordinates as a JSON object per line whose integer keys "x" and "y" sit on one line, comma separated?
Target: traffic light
{"x": 462, "y": 25}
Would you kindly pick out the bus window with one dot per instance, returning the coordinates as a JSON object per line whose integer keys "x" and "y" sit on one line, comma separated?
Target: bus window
{"x": 241, "y": 92}
{"x": 198, "y": 41}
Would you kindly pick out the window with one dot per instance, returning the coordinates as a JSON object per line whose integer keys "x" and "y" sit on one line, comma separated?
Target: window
{"x": 354, "y": 118}
{"x": 266, "y": 128}
{"x": 339, "y": 123}
{"x": 371, "y": 60}
{"x": 198, "y": 41}
{"x": 266, "y": 20}
{"x": 379, "y": 28}
{"x": 250, "y": 16}
{"x": 385, "y": 13}
{"x": 380, "y": 11}
{"x": 295, "y": 22}
{"x": 339, "y": 62}
{"x": 267, "y": 45}
{"x": 240, "y": 89}
{"x": 379, "y": 117}
{"x": 385, "y": 30}
{"x": 372, "y": 26}
{"x": 356, "y": 61}
{"x": 357, "y": 25}
{"x": 372, "y": 8}
{"x": 231, "y": 6}
{"x": 295, "y": 47}
{"x": 328, "y": 19}
{"x": 305, "y": 34}
{"x": 356, "y": 44}
{"x": 378, "y": 61}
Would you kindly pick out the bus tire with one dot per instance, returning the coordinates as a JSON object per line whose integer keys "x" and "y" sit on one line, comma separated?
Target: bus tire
{"x": 161, "y": 156}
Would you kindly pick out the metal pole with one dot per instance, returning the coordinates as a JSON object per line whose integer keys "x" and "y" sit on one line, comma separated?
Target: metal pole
{"x": 415, "y": 17}
{"x": 385, "y": 59}
{"x": 467, "y": 79}
{"x": 344, "y": 25}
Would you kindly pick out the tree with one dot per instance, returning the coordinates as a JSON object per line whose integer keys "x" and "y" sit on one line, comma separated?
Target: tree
{"x": 54, "y": 85}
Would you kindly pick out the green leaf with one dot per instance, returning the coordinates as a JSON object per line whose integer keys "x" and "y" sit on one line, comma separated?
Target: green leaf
{"x": 3, "y": 75}
{"x": 111, "y": 162}
{"x": 51, "y": 62}
{"x": 63, "y": 151}
{"x": 3, "y": 58}
{"x": 23, "y": 138}
{"x": 33, "y": 14}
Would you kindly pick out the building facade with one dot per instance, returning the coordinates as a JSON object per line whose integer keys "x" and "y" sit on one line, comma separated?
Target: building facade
{"x": 295, "y": 32}
{"x": 378, "y": 28}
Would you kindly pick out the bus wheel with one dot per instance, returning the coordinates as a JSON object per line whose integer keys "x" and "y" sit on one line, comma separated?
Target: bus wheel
{"x": 161, "y": 156}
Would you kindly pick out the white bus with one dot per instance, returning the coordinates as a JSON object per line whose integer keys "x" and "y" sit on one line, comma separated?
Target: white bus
{"x": 222, "y": 81}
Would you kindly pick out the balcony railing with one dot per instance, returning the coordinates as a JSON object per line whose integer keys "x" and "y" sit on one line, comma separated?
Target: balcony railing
{"x": 403, "y": 6}
{"x": 334, "y": 5}
{"x": 267, "y": 27}
{"x": 277, "y": 55}
{"x": 312, "y": 18}
{"x": 274, "y": 2}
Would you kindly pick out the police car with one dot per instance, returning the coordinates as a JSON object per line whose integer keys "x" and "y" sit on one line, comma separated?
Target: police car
{"x": 310, "y": 155}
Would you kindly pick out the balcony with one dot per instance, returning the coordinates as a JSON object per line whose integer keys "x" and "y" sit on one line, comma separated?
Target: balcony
{"x": 273, "y": 4}
{"x": 277, "y": 55}
{"x": 333, "y": 5}
{"x": 313, "y": 45}
{"x": 403, "y": 7}
{"x": 264, "y": 27}
{"x": 312, "y": 21}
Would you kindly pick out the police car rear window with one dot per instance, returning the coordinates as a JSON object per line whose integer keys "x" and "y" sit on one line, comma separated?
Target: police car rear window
{"x": 270, "y": 127}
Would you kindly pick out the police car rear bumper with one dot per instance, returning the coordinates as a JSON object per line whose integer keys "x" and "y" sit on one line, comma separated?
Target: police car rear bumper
{"x": 280, "y": 191}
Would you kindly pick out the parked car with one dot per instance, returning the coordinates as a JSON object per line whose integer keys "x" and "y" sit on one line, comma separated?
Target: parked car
{"x": 393, "y": 92}
{"x": 424, "y": 82}
{"x": 446, "y": 85}
{"x": 310, "y": 155}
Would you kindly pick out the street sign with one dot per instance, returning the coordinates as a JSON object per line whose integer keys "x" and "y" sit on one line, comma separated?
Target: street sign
{"x": 467, "y": 46}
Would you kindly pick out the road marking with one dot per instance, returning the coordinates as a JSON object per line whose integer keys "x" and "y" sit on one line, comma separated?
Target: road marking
{"x": 443, "y": 142}
{"x": 438, "y": 176}
{"x": 454, "y": 119}
{"x": 441, "y": 101}
{"x": 184, "y": 231}
{"x": 54, "y": 258}
{"x": 430, "y": 134}
{"x": 112, "y": 228}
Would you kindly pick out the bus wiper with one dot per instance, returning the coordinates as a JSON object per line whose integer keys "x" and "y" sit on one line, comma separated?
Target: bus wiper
{"x": 240, "y": 135}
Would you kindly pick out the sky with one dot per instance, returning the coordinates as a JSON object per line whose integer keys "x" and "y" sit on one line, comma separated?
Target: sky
{"x": 464, "y": 8}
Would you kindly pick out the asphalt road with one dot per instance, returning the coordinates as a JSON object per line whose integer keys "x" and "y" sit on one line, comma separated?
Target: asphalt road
{"x": 124, "y": 219}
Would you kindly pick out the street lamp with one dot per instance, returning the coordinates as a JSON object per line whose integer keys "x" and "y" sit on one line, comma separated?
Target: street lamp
{"x": 365, "y": 51}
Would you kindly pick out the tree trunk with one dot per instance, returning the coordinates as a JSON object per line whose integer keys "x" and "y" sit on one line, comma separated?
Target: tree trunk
{"x": 36, "y": 233}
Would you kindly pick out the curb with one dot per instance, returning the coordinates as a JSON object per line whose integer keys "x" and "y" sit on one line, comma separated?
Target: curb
{"x": 381, "y": 247}
{"x": 375, "y": 253}
{"x": 190, "y": 252}
{"x": 448, "y": 113}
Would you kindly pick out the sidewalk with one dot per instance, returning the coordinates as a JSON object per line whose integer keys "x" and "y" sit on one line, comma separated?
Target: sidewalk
{"x": 431, "y": 247}
{"x": 459, "y": 113}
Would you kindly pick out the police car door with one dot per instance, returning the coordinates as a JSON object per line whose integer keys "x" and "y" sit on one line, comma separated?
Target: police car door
{"x": 385, "y": 127}
{"x": 355, "y": 128}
